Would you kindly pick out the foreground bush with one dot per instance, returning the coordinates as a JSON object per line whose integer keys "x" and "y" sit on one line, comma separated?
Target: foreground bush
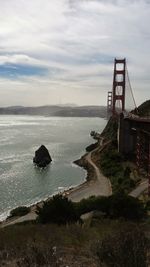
{"x": 91, "y": 147}
{"x": 58, "y": 210}
{"x": 125, "y": 206}
{"x": 128, "y": 248}
{"x": 91, "y": 204}
{"x": 110, "y": 241}
{"x": 20, "y": 211}
{"x": 118, "y": 205}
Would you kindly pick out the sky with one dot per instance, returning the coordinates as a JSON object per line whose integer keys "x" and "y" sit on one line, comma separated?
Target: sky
{"x": 62, "y": 51}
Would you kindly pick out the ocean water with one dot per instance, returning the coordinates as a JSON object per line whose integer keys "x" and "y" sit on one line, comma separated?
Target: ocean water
{"x": 21, "y": 183}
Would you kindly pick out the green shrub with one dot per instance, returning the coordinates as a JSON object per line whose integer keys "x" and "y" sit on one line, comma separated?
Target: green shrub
{"x": 126, "y": 249}
{"x": 58, "y": 210}
{"x": 148, "y": 205}
{"x": 91, "y": 147}
{"x": 127, "y": 172}
{"x": 144, "y": 109}
{"x": 92, "y": 203}
{"x": 125, "y": 206}
{"x": 111, "y": 163}
{"x": 118, "y": 205}
{"x": 110, "y": 131}
{"x": 20, "y": 211}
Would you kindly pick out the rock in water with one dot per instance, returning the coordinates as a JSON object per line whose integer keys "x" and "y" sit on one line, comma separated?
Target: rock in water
{"x": 42, "y": 157}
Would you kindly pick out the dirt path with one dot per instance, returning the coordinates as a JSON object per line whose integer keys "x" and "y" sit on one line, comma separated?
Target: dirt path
{"x": 98, "y": 186}
{"x": 29, "y": 217}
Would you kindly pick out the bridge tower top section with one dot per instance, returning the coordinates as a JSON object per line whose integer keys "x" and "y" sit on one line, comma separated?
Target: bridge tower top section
{"x": 119, "y": 83}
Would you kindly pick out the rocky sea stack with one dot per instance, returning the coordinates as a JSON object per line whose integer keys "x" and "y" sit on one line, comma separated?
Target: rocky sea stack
{"x": 42, "y": 157}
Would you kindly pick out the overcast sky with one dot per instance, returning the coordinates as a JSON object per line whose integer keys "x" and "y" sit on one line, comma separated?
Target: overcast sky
{"x": 62, "y": 51}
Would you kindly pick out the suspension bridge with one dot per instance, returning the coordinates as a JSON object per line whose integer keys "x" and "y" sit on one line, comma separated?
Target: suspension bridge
{"x": 134, "y": 130}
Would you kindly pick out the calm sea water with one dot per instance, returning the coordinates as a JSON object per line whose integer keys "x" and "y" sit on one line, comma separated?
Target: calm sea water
{"x": 66, "y": 138}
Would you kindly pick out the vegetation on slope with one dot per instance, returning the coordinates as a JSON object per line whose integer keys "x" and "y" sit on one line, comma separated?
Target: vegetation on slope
{"x": 114, "y": 166}
{"x": 92, "y": 147}
{"x": 110, "y": 131}
{"x": 106, "y": 243}
{"x": 60, "y": 210}
{"x": 99, "y": 242}
{"x": 144, "y": 109}
{"x": 118, "y": 251}
{"x": 19, "y": 211}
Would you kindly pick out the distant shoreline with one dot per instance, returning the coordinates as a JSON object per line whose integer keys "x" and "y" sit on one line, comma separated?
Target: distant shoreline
{"x": 57, "y": 111}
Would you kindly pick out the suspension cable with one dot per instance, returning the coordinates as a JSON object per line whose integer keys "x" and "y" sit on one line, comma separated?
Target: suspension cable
{"x": 131, "y": 88}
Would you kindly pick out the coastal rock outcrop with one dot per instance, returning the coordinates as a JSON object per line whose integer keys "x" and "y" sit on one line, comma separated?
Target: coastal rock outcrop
{"x": 42, "y": 157}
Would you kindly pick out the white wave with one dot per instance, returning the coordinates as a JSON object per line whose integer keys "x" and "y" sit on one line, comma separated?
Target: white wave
{"x": 4, "y": 215}
{"x": 61, "y": 188}
{"x": 10, "y": 158}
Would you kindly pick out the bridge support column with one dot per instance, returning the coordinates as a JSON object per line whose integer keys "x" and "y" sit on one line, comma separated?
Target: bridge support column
{"x": 109, "y": 102}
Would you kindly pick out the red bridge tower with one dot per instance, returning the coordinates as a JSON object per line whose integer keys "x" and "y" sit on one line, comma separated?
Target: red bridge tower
{"x": 119, "y": 84}
{"x": 117, "y": 101}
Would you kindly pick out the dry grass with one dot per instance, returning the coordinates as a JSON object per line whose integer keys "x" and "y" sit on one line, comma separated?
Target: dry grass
{"x": 57, "y": 246}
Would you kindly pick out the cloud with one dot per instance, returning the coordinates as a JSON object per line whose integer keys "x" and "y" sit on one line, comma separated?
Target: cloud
{"x": 68, "y": 47}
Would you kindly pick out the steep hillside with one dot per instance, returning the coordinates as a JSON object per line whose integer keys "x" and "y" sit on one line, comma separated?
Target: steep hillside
{"x": 110, "y": 131}
{"x": 144, "y": 109}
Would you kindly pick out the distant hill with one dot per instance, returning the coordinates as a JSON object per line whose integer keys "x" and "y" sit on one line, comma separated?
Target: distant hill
{"x": 56, "y": 110}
